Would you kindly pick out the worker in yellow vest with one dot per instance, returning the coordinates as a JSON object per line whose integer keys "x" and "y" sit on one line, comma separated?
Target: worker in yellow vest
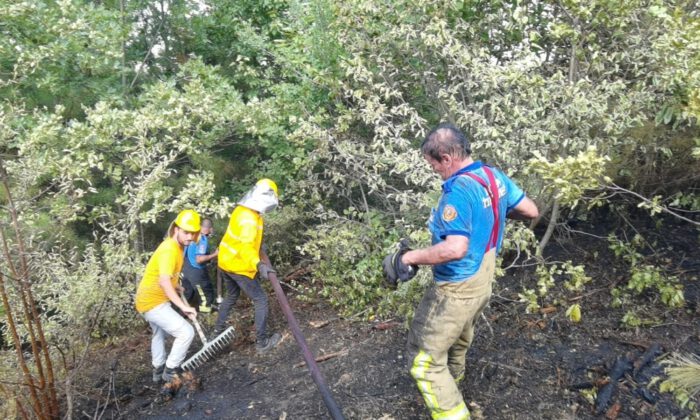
{"x": 158, "y": 292}
{"x": 243, "y": 261}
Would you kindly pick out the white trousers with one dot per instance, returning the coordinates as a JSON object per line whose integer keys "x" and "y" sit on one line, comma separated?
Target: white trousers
{"x": 164, "y": 320}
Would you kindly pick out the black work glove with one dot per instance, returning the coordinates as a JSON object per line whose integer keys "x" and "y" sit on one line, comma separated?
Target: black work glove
{"x": 264, "y": 270}
{"x": 395, "y": 270}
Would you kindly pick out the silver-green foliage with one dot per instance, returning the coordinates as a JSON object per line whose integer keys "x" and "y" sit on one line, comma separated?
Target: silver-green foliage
{"x": 560, "y": 95}
{"x": 66, "y": 52}
{"x": 557, "y": 94}
{"x": 348, "y": 252}
{"x": 62, "y": 169}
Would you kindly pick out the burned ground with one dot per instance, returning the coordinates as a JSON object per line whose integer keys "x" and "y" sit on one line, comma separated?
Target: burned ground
{"x": 520, "y": 365}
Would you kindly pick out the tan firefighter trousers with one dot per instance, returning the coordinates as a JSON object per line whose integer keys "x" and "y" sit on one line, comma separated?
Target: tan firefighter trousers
{"x": 440, "y": 335}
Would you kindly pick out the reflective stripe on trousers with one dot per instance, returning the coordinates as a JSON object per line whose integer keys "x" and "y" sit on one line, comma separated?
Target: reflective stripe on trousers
{"x": 204, "y": 305}
{"x": 418, "y": 371}
{"x": 441, "y": 333}
{"x": 421, "y": 363}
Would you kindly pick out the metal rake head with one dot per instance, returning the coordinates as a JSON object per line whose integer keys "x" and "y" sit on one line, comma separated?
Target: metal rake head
{"x": 209, "y": 350}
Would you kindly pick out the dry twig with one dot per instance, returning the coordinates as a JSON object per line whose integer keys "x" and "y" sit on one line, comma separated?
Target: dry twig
{"x": 319, "y": 324}
{"x": 325, "y": 357}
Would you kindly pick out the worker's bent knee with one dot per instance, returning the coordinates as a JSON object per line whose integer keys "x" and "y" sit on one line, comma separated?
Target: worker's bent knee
{"x": 419, "y": 365}
{"x": 185, "y": 333}
{"x": 190, "y": 332}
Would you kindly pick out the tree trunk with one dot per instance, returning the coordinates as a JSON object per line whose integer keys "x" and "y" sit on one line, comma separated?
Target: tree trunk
{"x": 550, "y": 227}
{"x": 40, "y": 348}
{"x": 28, "y": 378}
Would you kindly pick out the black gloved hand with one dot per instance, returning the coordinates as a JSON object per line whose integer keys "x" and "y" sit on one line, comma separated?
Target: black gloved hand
{"x": 395, "y": 270}
{"x": 264, "y": 270}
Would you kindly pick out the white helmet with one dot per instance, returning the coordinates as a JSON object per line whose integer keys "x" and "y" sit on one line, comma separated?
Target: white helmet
{"x": 262, "y": 197}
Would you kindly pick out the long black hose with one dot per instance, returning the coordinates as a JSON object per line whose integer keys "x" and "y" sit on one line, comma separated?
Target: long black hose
{"x": 333, "y": 408}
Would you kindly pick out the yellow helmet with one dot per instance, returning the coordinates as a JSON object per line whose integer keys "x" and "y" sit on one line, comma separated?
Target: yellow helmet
{"x": 188, "y": 220}
{"x": 266, "y": 182}
{"x": 262, "y": 197}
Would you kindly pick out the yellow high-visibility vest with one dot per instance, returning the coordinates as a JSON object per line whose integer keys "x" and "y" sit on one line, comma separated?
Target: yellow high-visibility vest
{"x": 239, "y": 250}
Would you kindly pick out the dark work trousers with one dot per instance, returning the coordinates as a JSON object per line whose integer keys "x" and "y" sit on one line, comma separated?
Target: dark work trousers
{"x": 199, "y": 291}
{"x": 189, "y": 291}
{"x": 253, "y": 289}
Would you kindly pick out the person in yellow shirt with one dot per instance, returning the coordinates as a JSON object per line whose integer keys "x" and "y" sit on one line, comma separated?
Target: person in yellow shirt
{"x": 243, "y": 261}
{"x": 158, "y": 291}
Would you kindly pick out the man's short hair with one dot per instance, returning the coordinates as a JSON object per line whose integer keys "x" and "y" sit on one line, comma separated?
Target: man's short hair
{"x": 446, "y": 139}
{"x": 206, "y": 222}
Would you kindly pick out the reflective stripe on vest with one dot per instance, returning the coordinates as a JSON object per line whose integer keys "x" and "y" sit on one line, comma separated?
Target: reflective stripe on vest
{"x": 229, "y": 247}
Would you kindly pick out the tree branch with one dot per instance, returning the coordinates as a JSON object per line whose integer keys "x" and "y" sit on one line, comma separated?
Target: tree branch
{"x": 665, "y": 209}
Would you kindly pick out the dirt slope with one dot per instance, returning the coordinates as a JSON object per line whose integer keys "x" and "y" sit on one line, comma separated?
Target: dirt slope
{"x": 521, "y": 366}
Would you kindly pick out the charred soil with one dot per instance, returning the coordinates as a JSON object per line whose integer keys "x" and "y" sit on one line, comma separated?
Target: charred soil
{"x": 520, "y": 365}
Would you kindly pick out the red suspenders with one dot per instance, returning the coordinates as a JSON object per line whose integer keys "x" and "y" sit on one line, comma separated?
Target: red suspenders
{"x": 492, "y": 190}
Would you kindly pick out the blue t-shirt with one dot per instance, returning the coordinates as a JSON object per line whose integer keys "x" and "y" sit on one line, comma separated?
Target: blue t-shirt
{"x": 194, "y": 249}
{"x": 465, "y": 209}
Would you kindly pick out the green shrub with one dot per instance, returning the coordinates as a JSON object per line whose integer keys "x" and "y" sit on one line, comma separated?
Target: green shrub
{"x": 348, "y": 254}
{"x": 644, "y": 277}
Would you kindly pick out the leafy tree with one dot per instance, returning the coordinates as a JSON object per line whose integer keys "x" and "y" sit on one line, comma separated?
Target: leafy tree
{"x": 85, "y": 285}
{"x": 117, "y": 114}
{"x": 65, "y": 53}
{"x": 562, "y": 78}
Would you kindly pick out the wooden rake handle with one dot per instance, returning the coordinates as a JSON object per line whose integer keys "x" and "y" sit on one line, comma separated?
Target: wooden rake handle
{"x": 196, "y": 323}
{"x": 199, "y": 331}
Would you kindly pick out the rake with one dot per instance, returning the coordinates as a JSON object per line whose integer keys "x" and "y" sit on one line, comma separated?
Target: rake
{"x": 210, "y": 347}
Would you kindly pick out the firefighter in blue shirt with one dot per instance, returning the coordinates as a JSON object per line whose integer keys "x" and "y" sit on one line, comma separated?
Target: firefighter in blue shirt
{"x": 467, "y": 231}
{"x": 198, "y": 287}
